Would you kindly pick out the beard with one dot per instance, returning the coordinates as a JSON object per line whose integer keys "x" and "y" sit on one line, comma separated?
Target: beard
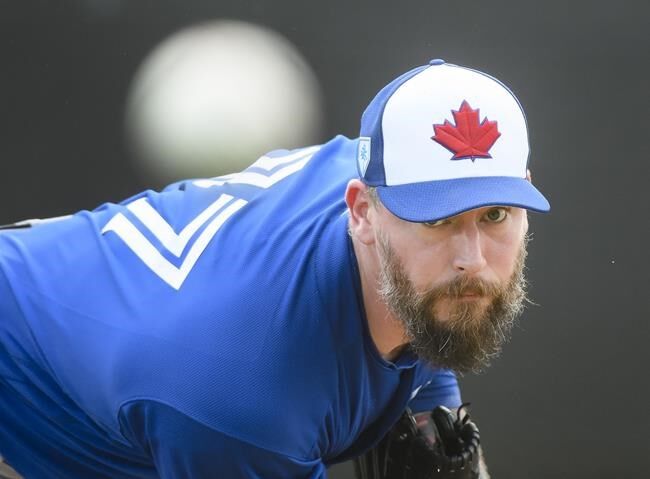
{"x": 473, "y": 333}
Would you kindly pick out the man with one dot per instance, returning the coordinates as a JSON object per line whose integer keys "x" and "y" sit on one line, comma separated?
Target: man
{"x": 275, "y": 321}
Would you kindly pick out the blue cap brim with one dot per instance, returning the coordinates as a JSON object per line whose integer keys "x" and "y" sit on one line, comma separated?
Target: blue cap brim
{"x": 435, "y": 200}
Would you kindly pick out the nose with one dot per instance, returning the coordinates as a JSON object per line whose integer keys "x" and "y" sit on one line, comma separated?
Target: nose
{"x": 468, "y": 250}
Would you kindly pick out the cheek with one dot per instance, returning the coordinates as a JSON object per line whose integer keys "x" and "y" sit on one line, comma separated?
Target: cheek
{"x": 501, "y": 255}
{"x": 502, "y": 246}
{"x": 424, "y": 262}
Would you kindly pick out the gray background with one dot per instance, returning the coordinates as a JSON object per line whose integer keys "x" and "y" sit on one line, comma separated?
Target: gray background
{"x": 569, "y": 397}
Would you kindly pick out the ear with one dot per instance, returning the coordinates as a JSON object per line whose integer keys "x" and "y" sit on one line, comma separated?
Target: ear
{"x": 361, "y": 211}
{"x": 529, "y": 176}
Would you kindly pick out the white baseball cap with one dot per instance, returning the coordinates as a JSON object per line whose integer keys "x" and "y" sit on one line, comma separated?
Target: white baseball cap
{"x": 443, "y": 139}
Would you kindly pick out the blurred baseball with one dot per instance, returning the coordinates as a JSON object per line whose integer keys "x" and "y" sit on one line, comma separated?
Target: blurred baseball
{"x": 212, "y": 98}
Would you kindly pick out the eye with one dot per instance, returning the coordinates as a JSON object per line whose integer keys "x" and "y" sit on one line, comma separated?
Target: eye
{"x": 433, "y": 224}
{"x": 497, "y": 215}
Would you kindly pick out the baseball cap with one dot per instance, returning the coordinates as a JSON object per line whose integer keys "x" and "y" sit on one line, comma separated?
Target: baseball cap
{"x": 442, "y": 139}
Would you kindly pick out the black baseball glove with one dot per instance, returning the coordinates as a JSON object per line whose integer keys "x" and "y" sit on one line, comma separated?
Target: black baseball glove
{"x": 407, "y": 453}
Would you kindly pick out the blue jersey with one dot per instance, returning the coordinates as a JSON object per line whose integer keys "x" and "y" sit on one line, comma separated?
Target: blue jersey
{"x": 214, "y": 329}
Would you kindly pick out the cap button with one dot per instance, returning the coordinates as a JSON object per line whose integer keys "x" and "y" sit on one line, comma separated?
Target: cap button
{"x": 437, "y": 61}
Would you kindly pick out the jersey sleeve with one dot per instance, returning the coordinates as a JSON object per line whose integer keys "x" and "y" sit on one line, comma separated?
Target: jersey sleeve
{"x": 441, "y": 390}
{"x": 182, "y": 447}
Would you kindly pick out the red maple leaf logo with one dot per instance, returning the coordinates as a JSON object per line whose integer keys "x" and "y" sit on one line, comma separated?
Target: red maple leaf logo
{"x": 468, "y": 138}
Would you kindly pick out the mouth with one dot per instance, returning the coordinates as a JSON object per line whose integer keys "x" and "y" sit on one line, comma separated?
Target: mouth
{"x": 465, "y": 293}
{"x": 471, "y": 293}
{"x": 470, "y": 296}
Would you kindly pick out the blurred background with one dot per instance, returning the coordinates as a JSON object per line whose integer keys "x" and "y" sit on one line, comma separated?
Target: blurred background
{"x": 100, "y": 99}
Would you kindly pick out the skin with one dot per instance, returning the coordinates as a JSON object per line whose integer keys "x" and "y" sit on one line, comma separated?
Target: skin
{"x": 482, "y": 243}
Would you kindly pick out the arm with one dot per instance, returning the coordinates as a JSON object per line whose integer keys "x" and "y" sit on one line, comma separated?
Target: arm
{"x": 179, "y": 446}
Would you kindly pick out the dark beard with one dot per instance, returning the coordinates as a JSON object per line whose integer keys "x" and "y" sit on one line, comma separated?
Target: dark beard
{"x": 473, "y": 334}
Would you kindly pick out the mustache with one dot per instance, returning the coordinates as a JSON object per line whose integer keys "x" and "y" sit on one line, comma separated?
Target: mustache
{"x": 464, "y": 285}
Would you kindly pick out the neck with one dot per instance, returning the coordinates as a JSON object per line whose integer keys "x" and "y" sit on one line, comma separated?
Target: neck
{"x": 385, "y": 330}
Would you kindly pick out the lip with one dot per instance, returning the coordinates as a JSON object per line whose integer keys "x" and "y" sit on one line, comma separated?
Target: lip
{"x": 470, "y": 296}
